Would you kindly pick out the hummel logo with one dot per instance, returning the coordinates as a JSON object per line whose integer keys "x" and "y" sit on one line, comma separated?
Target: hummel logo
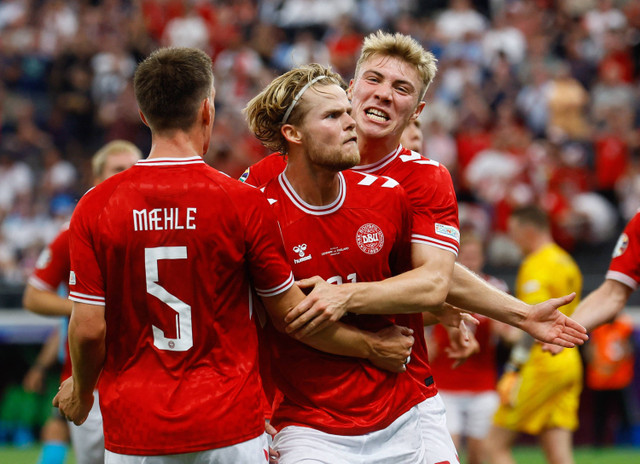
{"x": 300, "y": 249}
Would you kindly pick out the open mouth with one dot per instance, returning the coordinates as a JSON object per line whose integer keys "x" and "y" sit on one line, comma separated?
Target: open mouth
{"x": 352, "y": 139}
{"x": 377, "y": 115}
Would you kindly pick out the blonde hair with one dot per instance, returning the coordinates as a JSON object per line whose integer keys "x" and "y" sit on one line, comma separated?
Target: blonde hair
{"x": 117, "y": 146}
{"x": 266, "y": 111}
{"x": 403, "y": 47}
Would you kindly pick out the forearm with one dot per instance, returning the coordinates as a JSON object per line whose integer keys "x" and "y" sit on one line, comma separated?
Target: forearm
{"x": 49, "y": 352}
{"x": 471, "y": 293}
{"x": 418, "y": 290}
{"x": 45, "y": 302}
{"x": 87, "y": 351}
{"x": 602, "y": 305}
{"x": 342, "y": 339}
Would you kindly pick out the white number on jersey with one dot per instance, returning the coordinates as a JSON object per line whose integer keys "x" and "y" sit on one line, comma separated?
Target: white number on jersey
{"x": 184, "y": 335}
{"x": 338, "y": 279}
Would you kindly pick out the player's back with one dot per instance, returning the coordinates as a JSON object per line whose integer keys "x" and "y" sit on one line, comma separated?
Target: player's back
{"x": 174, "y": 241}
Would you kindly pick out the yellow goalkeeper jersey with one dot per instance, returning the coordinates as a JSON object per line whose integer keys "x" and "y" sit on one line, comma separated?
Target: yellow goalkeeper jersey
{"x": 550, "y": 385}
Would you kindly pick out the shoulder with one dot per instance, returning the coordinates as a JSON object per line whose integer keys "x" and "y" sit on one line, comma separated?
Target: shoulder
{"x": 369, "y": 187}
{"x": 264, "y": 170}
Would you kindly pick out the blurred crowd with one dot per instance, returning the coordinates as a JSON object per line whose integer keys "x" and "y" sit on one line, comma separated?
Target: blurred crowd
{"x": 535, "y": 100}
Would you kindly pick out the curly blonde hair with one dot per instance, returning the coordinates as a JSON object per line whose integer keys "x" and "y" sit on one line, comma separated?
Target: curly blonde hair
{"x": 265, "y": 112}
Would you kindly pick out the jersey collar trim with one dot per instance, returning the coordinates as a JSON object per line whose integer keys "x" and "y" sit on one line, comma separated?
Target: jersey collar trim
{"x": 378, "y": 165}
{"x": 313, "y": 209}
{"x": 170, "y": 161}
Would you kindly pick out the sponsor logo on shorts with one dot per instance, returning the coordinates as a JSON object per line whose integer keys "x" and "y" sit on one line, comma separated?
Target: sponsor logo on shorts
{"x": 370, "y": 238}
{"x": 448, "y": 231}
{"x": 621, "y": 245}
{"x": 72, "y": 278}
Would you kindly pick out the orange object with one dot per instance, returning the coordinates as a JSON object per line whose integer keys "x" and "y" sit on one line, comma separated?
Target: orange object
{"x": 610, "y": 366}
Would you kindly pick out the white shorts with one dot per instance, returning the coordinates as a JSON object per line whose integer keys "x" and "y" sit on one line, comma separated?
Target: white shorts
{"x": 470, "y": 414}
{"x": 399, "y": 443}
{"x": 252, "y": 451}
{"x": 439, "y": 447}
{"x": 88, "y": 439}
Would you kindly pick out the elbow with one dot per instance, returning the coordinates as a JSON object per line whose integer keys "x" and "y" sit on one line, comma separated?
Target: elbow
{"x": 88, "y": 334}
{"x": 438, "y": 292}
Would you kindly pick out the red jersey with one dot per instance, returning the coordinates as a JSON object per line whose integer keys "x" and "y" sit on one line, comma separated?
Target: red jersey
{"x": 478, "y": 372}
{"x": 625, "y": 263}
{"x": 51, "y": 271}
{"x": 170, "y": 247}
{"x": 362, "y": 236}
{"x": 435, "y": 223}
{"x": 264, "y": 170}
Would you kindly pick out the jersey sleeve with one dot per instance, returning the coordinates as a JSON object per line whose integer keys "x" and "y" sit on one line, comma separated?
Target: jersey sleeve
{"x": 625, "y": 262}
{"x": 264, "y": 170}
{"x": 52, "y": 267}
{"x": 270, "y": 271}
{"x": 531, "y": 286}
{"x": 86, "y": 284}
{"x": 435, "y": 207}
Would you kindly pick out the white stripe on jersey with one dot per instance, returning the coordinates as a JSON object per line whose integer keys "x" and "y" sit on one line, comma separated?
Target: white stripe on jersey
{"x": 372, "y": 168}
{"x": 415, "y": 238}
{"x": 312, "y": 209}
{"x": 39, "y": 284}
{"x": 88, "y": 299}
{"x": 170, "y": 161}
{"x": 283, "y": 287}
{"x": 622, "y": 278}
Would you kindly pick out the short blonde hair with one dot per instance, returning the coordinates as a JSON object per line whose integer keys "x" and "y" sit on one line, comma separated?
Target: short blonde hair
{"x": 403, "y": 47}
{"x": 266, "y": 111}
{"x": 117, "y": 146}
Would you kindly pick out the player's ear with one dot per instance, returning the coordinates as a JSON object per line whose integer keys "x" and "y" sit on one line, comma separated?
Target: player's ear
{"x": 144, "y": 120}
{"x": 350, "y": 90}
{"x": 291, "y": 134}
{"x": 418, "y": 110}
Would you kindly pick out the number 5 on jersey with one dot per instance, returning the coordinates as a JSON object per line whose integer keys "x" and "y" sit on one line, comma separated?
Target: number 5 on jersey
{"x": 184, "y": 335}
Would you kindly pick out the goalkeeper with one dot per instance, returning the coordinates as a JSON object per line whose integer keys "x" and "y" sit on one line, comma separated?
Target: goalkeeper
{"x": 539, "y": 392}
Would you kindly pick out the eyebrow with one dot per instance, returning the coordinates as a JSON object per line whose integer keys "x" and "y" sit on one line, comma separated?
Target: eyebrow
{"x": 379, "y": 74}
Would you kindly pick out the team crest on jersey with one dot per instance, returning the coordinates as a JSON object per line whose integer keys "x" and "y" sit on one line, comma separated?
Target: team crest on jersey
{"x": 301, "y": 250}
{"x": 44, "y": 259}
{"x": 621, "y": 245}
{"x": 370, "y": 238}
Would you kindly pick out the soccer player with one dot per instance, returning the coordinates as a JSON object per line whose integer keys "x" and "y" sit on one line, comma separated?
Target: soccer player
{"x": 608, "y": 300}
{"x": 468, "y": 386}
{"x": 345, "y": 226}
{"x": 539, "y": 391}
{"x": 163, "y": 259}
{"x": 41, "y": 296}
{"x": 391, "y": 79}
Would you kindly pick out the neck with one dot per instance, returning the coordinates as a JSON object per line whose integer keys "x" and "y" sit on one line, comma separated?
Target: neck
{"x": 176, "y": 144}
{"x": 538, "y": 242}
{"x": 373, "y": 150}
{"x": 316, "y": 185}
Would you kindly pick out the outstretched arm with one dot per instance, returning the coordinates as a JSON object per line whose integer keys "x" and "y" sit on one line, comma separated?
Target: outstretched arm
{"x": 603, "y": 304}
{"x": 542, "y": 321}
